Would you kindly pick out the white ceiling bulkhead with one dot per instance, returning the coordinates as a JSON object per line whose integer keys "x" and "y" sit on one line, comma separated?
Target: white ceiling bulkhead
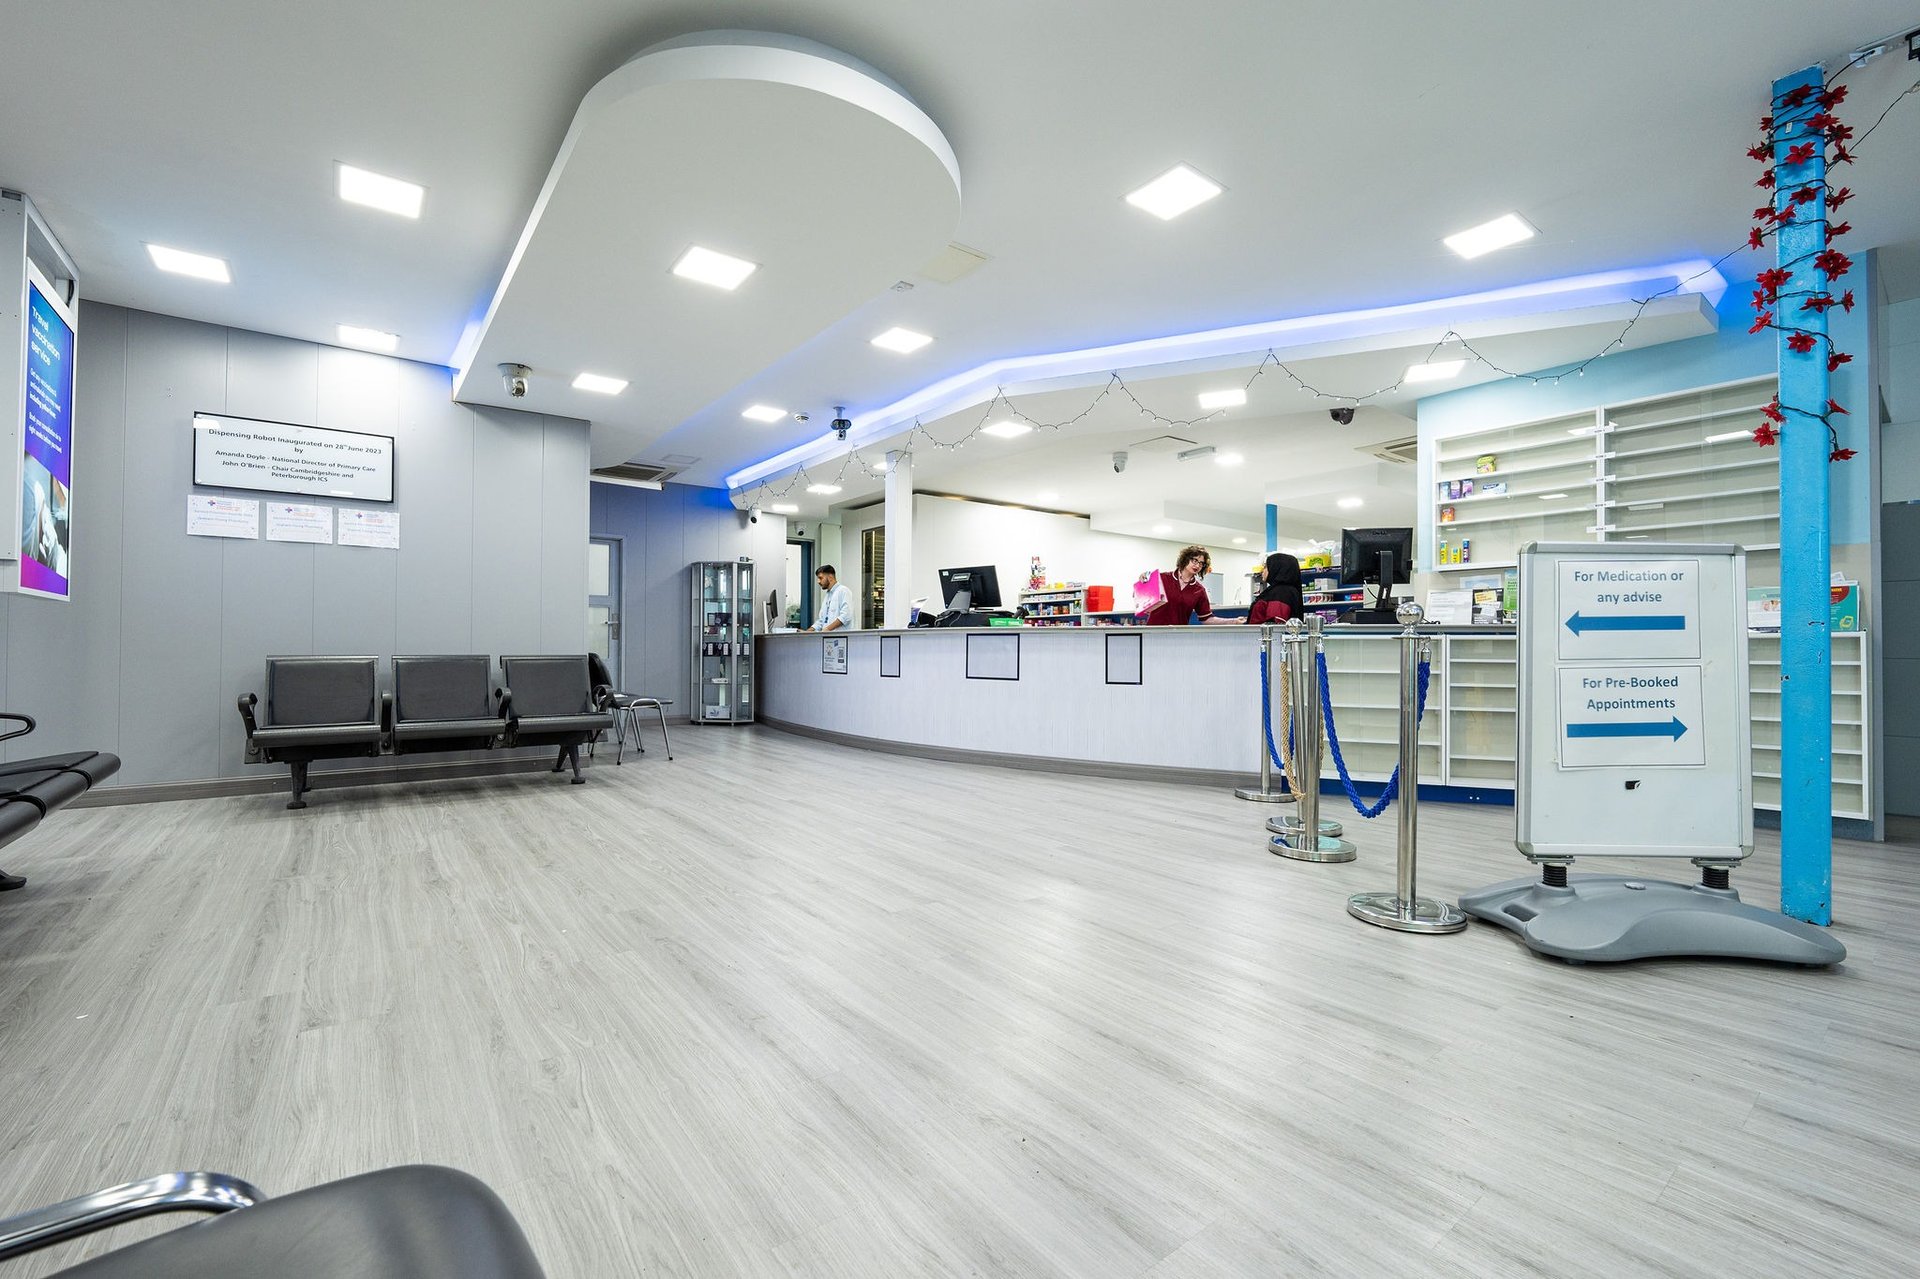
{"x": 780, "y": 152}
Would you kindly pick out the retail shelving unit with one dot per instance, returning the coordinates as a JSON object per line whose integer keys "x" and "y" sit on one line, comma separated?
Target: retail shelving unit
{"x": 1852, "y": 724}
{"x": 1065, "y": 607}
{"x": 1668, "y": 468}
{"x": 1322, "y": 593}
{"x": 723, "y": 656}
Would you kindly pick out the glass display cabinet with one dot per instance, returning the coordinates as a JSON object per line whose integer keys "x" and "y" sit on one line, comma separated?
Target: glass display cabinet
{"x": 723, "y": 660}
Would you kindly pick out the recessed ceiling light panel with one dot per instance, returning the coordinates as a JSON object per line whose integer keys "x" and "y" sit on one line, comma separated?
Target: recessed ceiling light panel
{"x": 784, "y": 508}
{"x": 1435, "y": 371}
{"x": 825, "y": 490}
{"x": 901, "y": 341}
{"x": 1174, "y": 192}
{"x": 377, "y": 191}
{"x": 1006, "y": 430}
{"x": 721, "y": 270}
{"x": 762, "y": 413}
{"x": 1228, "y": 459}
{"x": 1239, "y": 541}
{"x": 1350, "y": 503}
{"x": 367, "y": 339}
{"x": 1508, "y": 228}
{"x": 599, "y": 384}
{"x": 1232, "y": 398}
{"x": 1163, "y": 529}
{"x": 1048, "y": 496}
{"x": 197, "y": 265}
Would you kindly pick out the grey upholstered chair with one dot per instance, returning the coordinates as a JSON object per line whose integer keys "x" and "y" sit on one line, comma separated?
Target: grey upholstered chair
{"x": 316, "y": 708}
{"x": 442, "y": 704}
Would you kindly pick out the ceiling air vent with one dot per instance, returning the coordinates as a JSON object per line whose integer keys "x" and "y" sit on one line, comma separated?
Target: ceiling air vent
{"x": 1406, "y": 450}
{"x": 640, "y": 475}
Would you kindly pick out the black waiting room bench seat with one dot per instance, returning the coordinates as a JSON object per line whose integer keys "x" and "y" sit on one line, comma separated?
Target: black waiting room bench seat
{"x": 316, "y": 708}
{"x": 331, "y": 708}
{"x": 442, "y": 704}
{"x": 553, "y": 701}
{"x": 32, "y": 788}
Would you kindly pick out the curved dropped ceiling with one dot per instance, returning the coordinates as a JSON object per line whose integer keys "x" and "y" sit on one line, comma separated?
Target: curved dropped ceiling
{"x": 777, "y": 150}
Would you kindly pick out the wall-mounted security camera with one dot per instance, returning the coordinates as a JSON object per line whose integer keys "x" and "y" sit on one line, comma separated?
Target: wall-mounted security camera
{"x": 753, "y": 515}
{"x": 1343, "y": 415}
{"x": 841, "y": 423}
{"x": 514, "y": 378}
{"x": 1119, "y": 462}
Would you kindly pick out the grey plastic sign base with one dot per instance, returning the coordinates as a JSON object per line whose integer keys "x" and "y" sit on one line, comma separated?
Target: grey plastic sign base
{"x": 1603, "y": 919}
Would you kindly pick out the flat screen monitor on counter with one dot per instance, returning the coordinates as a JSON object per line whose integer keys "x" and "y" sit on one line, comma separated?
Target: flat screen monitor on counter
{"x": 1382, "y": 556}
{"x": 970, "y": 588}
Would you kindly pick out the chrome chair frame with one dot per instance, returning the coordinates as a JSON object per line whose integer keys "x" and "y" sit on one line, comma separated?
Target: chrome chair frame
{"x": 169, "y": 1192}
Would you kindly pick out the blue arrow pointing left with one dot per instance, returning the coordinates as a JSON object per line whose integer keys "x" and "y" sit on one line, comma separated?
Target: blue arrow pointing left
{"x": 1628, "y": 622}
{"x": 1672, "y": 729}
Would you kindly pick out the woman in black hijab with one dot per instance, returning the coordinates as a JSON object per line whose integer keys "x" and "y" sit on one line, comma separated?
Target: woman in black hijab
{"x": 1279, "y": 599}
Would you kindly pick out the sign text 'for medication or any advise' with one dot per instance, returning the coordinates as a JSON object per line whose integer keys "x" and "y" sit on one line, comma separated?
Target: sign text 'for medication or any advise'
{"x": 1628, "y": 610}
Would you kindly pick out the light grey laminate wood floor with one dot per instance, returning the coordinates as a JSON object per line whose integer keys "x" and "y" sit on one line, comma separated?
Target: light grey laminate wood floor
{"x": 756, "y": 1011}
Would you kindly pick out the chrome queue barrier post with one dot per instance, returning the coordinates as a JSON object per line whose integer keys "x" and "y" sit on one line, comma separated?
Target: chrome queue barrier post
{"x": 1403, "y": 909}
{"x": 1290, "y": 836}
{"x": 1266, "y": 794}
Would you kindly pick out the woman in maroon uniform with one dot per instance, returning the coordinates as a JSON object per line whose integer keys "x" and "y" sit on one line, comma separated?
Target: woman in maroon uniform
{"x": 1279, "y": 598}
{"x": 1183, "y": 594}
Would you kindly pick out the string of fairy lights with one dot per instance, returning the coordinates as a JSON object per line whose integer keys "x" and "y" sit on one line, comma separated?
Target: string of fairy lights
{"x": 1455, "y": 345}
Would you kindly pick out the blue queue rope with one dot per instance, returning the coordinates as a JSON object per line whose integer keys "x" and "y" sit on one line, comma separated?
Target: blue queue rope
{"x": 1392, "y": 787}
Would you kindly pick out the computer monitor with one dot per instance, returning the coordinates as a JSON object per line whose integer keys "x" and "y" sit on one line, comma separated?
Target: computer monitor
{"x": 970, "y": 588}
{"x": 773, "y": 610}
{"x": 1382, "y": 556}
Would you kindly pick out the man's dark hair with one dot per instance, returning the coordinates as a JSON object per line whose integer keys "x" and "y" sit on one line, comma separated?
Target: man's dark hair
{"x": 827, "y": 569}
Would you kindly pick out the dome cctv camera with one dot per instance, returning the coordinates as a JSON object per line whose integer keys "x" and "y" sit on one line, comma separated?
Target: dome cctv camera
{"x": 514, "y": 378}
{"x": 841, "y": 423}
{"x": 1119, "y": 462}
{"x": 1343, "y": 415}
{"x": 753, "y": 515}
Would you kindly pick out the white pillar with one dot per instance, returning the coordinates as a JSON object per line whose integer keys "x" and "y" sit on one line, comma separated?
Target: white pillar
{"x": 899, "y": 526}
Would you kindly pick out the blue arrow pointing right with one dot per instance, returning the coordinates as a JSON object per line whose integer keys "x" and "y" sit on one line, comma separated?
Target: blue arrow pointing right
{"x": 1628, "y": 622}
{"x": 1672, "y": 729}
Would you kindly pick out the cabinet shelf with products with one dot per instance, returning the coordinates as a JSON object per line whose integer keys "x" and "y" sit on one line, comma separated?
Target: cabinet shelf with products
{"x": 1065, "y": 606}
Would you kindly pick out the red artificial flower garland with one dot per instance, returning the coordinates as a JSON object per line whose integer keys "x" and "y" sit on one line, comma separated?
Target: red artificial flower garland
{"x": 1814, "y": 109}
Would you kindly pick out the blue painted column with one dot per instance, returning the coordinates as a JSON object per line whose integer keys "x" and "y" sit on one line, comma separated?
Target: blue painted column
{"x": 1273, "y": 528}
{"x": 1806, "y": 683}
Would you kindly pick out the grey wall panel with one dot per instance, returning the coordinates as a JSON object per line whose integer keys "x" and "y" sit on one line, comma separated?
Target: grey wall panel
{"x": 563, "y": 517}
{"x": 509, "y": 450}
{"x": 273, "y": 378}
{"x": 60, "y": 662}
{"x": 267, "y": 611}
{"x": 435, "y": 564}
{"x": 171, "y": 584}
{"x": 356, "y": 589}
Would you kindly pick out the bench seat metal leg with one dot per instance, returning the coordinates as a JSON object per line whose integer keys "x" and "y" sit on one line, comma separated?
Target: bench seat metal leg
{"x": 299, "y": 771}
{"x": 10, "y": 882}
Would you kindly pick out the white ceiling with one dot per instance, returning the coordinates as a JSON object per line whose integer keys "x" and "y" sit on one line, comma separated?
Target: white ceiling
{"x": 1349, "y": 139}
{"x": 1295, "y": 456}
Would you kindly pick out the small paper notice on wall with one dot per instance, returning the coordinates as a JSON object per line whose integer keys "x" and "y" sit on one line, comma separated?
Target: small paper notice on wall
{"x": 370, "y": 528}
{"x": 297, "y": 522}
{"x": 222, "y": 516}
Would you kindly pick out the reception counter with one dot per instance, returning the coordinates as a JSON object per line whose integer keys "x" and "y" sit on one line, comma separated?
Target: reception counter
{"x": 1183, "y": 702}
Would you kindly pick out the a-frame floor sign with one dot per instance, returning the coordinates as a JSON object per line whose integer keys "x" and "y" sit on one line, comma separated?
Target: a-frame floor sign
{"x": 1634, "y": 742}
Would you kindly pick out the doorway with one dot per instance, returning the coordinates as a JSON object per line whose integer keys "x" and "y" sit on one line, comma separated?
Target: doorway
{"x": 603, "y": 602}
{"x": 799, "y": 584}
{"x": 873, "y": 577}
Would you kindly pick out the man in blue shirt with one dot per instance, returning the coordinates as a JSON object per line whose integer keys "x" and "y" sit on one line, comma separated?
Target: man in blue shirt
{"x": 836, "y": 603}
